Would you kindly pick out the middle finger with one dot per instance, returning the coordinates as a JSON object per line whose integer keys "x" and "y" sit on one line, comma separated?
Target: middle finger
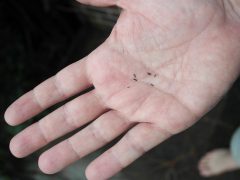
{"x": 67, "y": 118}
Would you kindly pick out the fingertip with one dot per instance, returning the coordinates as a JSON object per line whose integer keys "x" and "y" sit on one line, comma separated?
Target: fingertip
{"x": 46, "y": 165}
{"x": 16, "y": 148}
{"x": 97, "y": 170}
{"x": 9, "y": 117}
{"x": 91, "y": 173}
{"x": 22, "y": 109}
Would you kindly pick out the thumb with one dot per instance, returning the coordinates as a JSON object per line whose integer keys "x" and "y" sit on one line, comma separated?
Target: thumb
{"x": 99, "y": 2}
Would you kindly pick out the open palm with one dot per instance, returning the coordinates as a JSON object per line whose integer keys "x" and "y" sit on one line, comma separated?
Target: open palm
{"x": 165, "y": 64}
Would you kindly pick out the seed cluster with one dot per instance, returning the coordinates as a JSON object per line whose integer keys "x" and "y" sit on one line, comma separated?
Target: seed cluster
{"x": 148, "y": 73}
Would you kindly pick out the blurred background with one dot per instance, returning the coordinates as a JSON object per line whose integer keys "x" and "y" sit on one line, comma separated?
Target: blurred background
{"x": 38, "y": 38}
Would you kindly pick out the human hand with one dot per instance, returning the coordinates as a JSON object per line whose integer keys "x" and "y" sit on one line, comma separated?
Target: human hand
{"x": 165, "y": 64}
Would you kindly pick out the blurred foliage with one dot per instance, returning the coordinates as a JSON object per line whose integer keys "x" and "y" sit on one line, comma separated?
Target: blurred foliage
{"x": 38, "y": 38}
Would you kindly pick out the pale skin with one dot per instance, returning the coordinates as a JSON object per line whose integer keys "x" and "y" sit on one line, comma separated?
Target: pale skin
{"x": 217, "y": 162}
{"x": 165, "y": 64}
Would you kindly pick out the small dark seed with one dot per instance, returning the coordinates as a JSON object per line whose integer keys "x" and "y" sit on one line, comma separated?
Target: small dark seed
{"x": 135, "y": 76}
{"x": 149, "y": 73}
{"x": 135, "y": 79}
{"x": 152, "y": 85}
{"x": 128, "y": 87}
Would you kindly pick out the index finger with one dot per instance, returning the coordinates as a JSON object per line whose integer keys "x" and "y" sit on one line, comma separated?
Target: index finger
{"x": 66, "y": 83}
